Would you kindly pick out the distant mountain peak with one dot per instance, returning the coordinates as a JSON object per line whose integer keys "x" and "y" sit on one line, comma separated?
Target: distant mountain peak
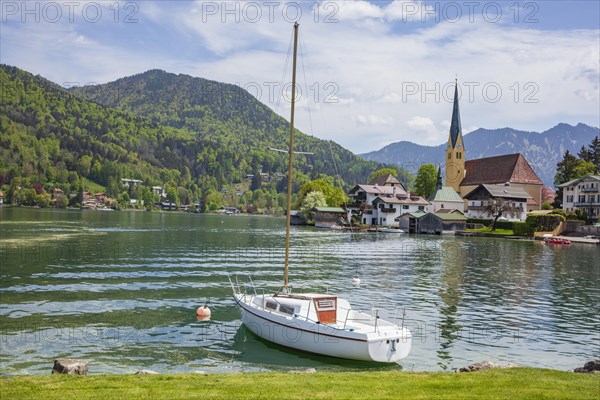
{"x": 541, "y": 149}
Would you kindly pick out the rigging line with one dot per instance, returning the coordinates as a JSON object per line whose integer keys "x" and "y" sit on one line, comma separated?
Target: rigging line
{"x": 302, "y": 56}
{"x": 283, "y": 75}
{"x": 335, "y": 168}
{"x": 323, "y": 124}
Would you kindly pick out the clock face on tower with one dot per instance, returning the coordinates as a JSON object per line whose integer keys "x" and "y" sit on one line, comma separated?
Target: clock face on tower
{"x": 454, "y": 174}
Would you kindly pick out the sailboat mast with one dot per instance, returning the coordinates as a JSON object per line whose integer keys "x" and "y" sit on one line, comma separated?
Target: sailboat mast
{"x": 291, "y": 158}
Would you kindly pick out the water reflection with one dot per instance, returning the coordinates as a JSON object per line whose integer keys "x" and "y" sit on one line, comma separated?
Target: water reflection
{"x": 450, "y": 294}
{"x": 123, "y": 292}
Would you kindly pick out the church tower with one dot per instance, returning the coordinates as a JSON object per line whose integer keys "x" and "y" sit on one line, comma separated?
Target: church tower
{"x": 455, "y": 151}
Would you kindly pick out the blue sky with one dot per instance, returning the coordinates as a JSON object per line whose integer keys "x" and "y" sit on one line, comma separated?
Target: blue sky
{"x": 376, "y": 72}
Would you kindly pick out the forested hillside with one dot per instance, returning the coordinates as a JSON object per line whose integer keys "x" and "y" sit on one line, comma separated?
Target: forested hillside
{"x": 169, "y": 130}
{"x": 232, "y": 128}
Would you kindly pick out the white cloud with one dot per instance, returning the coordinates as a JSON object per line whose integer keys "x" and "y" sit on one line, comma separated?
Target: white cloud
{"x": 372, "y": 120}
{"x": 370, "y": 58}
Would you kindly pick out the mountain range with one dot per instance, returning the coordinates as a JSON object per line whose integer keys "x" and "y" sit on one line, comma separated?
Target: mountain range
{"x": 202, "y": 135}
{"x": 542, "y": 150}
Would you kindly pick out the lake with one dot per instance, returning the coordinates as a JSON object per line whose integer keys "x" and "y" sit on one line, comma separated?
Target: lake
{"x": 120, "y": 289}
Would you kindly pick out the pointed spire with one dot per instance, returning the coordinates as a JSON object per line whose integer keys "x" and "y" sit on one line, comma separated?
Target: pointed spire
{"x": 439, "y": 179}
{"x": 455, "y": 128}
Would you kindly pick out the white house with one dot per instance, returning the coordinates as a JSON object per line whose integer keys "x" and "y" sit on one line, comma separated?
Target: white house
{"x": 383, "y": 201}
{"x": 131, "y": 182}
{"x": 582, "y": 194}
{"x": 515, "y": 199}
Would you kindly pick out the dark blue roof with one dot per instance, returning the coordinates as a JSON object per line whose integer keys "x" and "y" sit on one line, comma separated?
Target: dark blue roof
{"x": 455, "y": 129}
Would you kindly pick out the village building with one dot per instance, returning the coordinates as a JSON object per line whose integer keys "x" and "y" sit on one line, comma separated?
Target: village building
{"x": 327, "y": 217}
{"x": 514, "y": 198}
{"x": 383, "y": 201}
{"x": 582, "y": 194}
{"x": 445, "y": 197}
{"x": 1, "y": 198}
{"x": 465, "y": 175}
{"x": 436, "y": 223}
{"x": 131, "y": 182}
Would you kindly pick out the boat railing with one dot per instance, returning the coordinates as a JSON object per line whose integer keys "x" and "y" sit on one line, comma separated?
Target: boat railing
{"x": 373, "y": 320}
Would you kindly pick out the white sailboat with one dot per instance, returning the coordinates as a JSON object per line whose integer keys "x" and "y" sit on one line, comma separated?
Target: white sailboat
{"x": 318, "y": 323}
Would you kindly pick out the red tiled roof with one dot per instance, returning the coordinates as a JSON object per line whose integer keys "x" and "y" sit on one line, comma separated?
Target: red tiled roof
{"x": 512, "y": 168}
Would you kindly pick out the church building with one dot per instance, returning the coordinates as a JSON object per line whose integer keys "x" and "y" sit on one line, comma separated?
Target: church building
{"x": 465, "y": 175}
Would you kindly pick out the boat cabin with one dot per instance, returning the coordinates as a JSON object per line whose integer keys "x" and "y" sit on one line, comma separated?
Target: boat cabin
{"x": 322, "y": 308}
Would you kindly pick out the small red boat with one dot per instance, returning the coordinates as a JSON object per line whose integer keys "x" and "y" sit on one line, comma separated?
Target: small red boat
{"x": 555, "y": 240}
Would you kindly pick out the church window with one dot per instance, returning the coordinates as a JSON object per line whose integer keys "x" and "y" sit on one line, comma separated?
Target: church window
{"x": 449, "y": 156}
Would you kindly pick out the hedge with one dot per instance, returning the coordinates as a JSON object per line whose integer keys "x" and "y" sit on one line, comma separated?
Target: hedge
{"x": 521, "y": 229}
{"x": 501, "y": 224}
{"x": 543, "y": 222}
{"x": 484, "y": 221}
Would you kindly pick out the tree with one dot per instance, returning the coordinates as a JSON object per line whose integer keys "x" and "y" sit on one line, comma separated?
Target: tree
{"x": 565, "y": 171}
{"x": 592, "y": 154}
{"x": 594, "y": 151}
{"x": 184, "y": 195}
{"x": 584, "y": 168}
{"x": 496, "y": 207}
{"x": 426, "y": 180}
{"x": 334, "y": 196}
{"x": 382, "y": 172}
{"x": 172, "y": 195}
{"x": 214, "y": 200}
{"x": 256, "y": 181}
{"x": 84, "y": 166}
{"x": 312, "y": 200}
{"x": 546, "y": 205}
{"x": 61, "y": 201}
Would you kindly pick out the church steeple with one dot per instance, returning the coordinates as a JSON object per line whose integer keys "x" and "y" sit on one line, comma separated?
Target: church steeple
{"x": 455, "y": 152}
{"x": 455, "y": 128}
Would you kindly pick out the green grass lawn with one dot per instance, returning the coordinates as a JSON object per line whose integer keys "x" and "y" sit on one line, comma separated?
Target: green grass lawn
{"x": 498, "y": 231}
{"x": 92, "y": 186}
{"x": 513, "y": 384}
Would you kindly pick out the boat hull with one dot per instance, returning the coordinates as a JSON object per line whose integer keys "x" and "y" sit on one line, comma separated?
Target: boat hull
{"x": 324, "y": 339}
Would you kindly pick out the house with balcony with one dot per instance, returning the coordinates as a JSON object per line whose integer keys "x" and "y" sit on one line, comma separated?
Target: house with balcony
{"x": 515, "y": 199}
{"x": 582, "y": 194}
{"x": 383, "y": 201}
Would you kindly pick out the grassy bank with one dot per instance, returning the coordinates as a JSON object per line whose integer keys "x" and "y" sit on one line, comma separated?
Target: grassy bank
{"x": 488, "y": 230}
{"x": 518, "y": 383}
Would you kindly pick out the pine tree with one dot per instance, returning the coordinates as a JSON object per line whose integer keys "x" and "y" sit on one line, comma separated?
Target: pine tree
{"x": 594, "y": 151}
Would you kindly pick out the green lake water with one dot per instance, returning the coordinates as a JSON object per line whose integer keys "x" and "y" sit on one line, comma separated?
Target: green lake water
{"x": 120, "y": 290}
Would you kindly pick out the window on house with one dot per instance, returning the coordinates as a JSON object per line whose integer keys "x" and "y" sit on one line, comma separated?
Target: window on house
{"x": 405, "y": 207}
{"x": 421, "y": 208}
